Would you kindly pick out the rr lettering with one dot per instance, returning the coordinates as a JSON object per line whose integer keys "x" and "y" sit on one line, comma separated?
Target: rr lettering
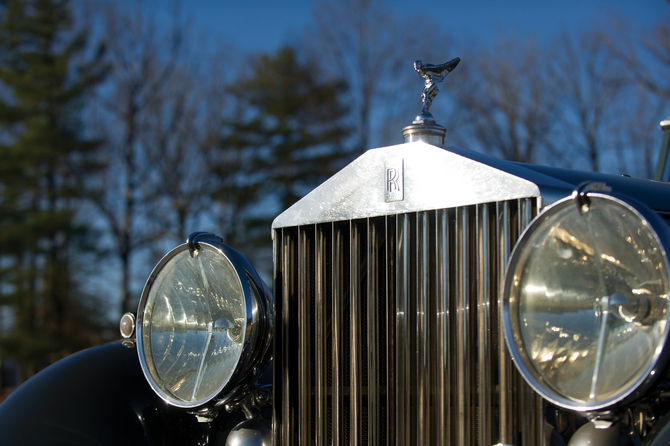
{"x": 392, "y": 180}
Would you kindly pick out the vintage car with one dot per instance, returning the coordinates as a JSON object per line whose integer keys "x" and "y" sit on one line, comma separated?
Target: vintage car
{"x": 422, "y": 295}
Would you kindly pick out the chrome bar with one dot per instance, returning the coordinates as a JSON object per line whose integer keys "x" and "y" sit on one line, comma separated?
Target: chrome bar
{"x": 540, "y": 425}
{"x": 321, "y": 384}
{"x": 463, "y": 420}
{"x": 402, "y": 335}
{"x": 530, "y": 403}
{"x": 337, "y": 391}
{"x": 484, "y": 326}
{"x": 423, "y": 382}
{"x": 525, "y": 214}
{"x": 504, "y": 362}
{"x": 443, "y": 363}
{"x": 525, "y": 405}
{"x": 355, "y": 399}
{"x": 373, "y": 334}
{"x": 390, "y": 250}
{"x": 304, "y": 330}
{"x": 288, "y": 415}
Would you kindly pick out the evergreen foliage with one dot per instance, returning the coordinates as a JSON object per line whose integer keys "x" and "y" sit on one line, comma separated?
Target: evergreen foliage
{"x": 286, "y": 138}
{"x": 44, "y": 77}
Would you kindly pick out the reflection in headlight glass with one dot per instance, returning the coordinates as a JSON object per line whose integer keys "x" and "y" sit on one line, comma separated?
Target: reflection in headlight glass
{"x": 592, "y": 300}
{"x": 194, "y": 325}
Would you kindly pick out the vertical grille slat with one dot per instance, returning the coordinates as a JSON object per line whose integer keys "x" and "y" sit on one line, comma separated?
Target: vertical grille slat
{"x": 288, "y": 258}
{"x": 304, "y": 348}
{"x": 402, "y": 338}
{"x": 443, "y": 369}
{"x": 507, "y": 418}
{"x": 321, "y": 261}
{"x": 462, "y": 341}
{"x": 356, "y": 364}
{"x": 389, "y": 333}
{"x": 373, "y": 333}
{"x": 484, "y": 326}
{"x": 391, "y": 329}
{"x": 532, "y": 428}
{"x": 337, "y": 362}
{"x": 423, "y": 338}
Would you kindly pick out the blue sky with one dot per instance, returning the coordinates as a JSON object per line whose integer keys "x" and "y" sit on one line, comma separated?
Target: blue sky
{"x": 263, "y": 25}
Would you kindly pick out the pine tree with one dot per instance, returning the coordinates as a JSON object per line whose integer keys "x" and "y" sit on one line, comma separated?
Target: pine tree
{"x": 286, "y": 138}
{"x": 44, "y": 78}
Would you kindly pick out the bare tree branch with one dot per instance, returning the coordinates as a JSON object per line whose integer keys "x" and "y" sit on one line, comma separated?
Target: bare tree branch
{"x": 153, "y": 121}
{"x": 366, "y": 44}
{"x": 591, "y": 85}
{"x": 508, "y": 104}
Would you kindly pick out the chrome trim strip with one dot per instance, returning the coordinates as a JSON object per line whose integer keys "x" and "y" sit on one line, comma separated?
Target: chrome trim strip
{"x": 484, "y": 326}
{"x": 355, "y": 397}
{"x": 443, "y": 353}
{"x": 337, "y": 391}
{"x": 533, "y": 427}
{"x": 286, "y": 295}
{"x": 525, "y": 215}
{"x": 541, "y": 427}
{"x": 523, "y": 405}
{"x": 463, "y": 370}
{"x": 423, "y": 382}
{"x": 373, "y": 334}
{"x": 390, "y": 237}
{"x": 402, "y": 346}
{"x": 304, "y": 347}
{"x": 507, "y": 417}
{"x": 321, "y": 311}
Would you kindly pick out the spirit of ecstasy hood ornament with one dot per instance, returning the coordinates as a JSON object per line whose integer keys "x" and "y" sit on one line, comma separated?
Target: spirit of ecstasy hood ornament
{"x": 432, "y": 74}
{"x": 424, "y": 127}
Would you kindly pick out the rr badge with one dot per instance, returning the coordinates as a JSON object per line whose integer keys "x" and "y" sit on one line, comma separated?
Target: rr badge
{"x": 394, "y": 187}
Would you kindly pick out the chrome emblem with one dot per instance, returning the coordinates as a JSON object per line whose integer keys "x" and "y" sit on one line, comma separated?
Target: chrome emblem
{"x": 394, "y": 187}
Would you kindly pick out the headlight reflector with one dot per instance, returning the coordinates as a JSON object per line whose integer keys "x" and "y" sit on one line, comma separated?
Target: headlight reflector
{"x": 585, "y": 302}
{"x": 199, "y": 317}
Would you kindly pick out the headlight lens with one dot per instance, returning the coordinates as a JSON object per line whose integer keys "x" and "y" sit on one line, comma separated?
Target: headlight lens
{"x": 200, "y": 315}
{"x": 585, "y": 302}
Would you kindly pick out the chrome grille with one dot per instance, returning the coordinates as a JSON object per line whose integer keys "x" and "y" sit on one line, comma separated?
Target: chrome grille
{"x": 388, "y": 331}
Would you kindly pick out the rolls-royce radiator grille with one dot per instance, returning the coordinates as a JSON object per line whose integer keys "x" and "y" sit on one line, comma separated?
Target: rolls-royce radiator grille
{"x": 388, "y": 331}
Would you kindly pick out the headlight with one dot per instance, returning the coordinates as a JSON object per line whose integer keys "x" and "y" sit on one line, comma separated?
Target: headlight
{"x": 203, "y": 324}
{"x": 585, "y": 302}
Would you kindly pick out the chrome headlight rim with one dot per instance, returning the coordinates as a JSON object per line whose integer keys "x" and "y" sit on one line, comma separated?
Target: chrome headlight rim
{"x": 515, "y": 344}
{"x": 255, "y": 352}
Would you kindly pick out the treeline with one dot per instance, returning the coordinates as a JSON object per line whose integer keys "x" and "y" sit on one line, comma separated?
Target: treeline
{"x": 121, "y": 134}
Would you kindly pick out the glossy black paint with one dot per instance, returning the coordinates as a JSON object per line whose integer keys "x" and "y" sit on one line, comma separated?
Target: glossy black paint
{"x": 659, "y": 434}
{"x": 100, "y": 397}
{"x": 654, "y": 194}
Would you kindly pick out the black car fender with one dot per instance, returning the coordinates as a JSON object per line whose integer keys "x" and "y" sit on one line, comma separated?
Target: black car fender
{"x": 100, "y": 397}
{"x": 659, "y": 434}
